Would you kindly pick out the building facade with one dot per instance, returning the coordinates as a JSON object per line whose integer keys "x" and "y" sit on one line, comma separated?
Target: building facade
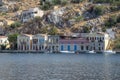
{"x": 24, "y": 42}
{"x": 39, "y": 42}
{"x": 27, "y": 15}
{"x": 98, "y": 41}
{"x": 4, "y": 41}
{"x": 74, "y": 43}
{"x": 53, "y": 43}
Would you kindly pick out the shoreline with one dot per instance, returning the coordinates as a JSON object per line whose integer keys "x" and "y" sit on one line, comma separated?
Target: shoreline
{"x": 40, "y": 52}
{"x": 17, "y": 51}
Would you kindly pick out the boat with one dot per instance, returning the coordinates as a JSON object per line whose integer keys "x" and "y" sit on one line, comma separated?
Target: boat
{"x": 109, "y": 52}
{"x": 91, "y": 52}
{"x": 67, "y": 51}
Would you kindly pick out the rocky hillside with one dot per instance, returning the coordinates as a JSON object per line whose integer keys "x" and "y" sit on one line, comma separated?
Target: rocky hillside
{"x": 68, "y": 16}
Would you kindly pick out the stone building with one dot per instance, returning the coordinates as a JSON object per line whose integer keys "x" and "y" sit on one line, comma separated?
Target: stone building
{"x": 24, "y": 42}
{"x": 39, "y": 42}
{"x": 53, "y": 43}
{"x": 98, "y": 41}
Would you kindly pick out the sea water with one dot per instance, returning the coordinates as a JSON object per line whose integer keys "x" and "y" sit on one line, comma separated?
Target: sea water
{"x": 59, "y": 67}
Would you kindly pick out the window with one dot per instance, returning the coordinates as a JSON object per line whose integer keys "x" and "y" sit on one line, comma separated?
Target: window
{"x": 103, "y": 38}
{"x": 97, "y": 38}
{"x": 53, "y": 48}
{"x": 99, "y": 44}
{"x": 40, "y": 47}
{"x": 86, "y": 47}
{"x": 62, "y": 47}
{"x": 90, "y": 38}
{"x": 99, "y": 48}
{"x": 68, "y": 47}
{"x": 75, "y": 47}
{"x": 82, "y": 48}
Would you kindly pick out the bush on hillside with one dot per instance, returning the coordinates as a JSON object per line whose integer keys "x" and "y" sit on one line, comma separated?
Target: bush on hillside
{"x": 15, "y": 25}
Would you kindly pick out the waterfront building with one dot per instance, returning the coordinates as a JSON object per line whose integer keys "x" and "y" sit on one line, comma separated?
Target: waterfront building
{"x": 53, "y": 43}
{"x": 39, "y": 42}
{"x": 27, "y": 15}
{"x": 1, "y": 2}
{"x": 74, "y": 44}
{"x": 24, "y": 42}
{"x": 98, "y": 41}
{"x": 80, "y": 42}
{"x": 4, "y": 41}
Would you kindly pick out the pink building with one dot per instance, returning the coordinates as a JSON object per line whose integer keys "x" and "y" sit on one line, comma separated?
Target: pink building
{"x": 75, "y": 44}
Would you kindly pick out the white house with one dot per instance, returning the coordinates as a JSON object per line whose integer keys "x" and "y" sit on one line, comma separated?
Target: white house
{"x": 39, "y": 42}
{"x": 53, "y": 43}
{"x": 27, "y": 15}
{"x": 98, "y": 41}
{"x": 24, "y": 42}
{"x": 4, "y": 40}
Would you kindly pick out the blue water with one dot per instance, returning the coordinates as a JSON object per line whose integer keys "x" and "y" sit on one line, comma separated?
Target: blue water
{"x": 59, "y": 67}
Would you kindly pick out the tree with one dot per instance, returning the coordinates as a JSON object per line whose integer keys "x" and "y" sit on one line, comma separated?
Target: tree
{"x": 111, "y": 21}
{"x": 46, "y": 6}
{"x": 76, "y": 1}
{"x": 118, "y": 19}
{"x": 43, "y": 30}
{"x": 112, "y": 2}
{"x": 56, "y": 2}
{"x": 104, "y": 29}
{"x": 99, "y": 10}
{"x": 53, "y": 31}
{"x": 79, "y": 18}
{"x": 86, "y": 29}
{"x": 64, "y": 2}
{"x": 117, "y": 43}
{"x": 3, "y": 47}
{"x": 12, "y": 38}
{"x": 15, "y": 24}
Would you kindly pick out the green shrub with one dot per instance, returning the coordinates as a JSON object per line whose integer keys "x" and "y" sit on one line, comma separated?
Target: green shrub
{"x": 79, "y": 18}
{"x": 111, "y": 21}
{"x": 117, "y": 43}
{"x": 76, "y": 1}
{"x": 113, "y": 2}
{"x": 104, "y": 29}
{"x": 15, "y": 25}
{"x": 99, "y": 10}
{"x": 46, "y": 6}
{"x": 12, "y": 38}
{"x": 53, "y": 31}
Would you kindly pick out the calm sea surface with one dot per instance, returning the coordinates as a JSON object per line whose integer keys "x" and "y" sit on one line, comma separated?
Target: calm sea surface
{"x": 59, "y": 67}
